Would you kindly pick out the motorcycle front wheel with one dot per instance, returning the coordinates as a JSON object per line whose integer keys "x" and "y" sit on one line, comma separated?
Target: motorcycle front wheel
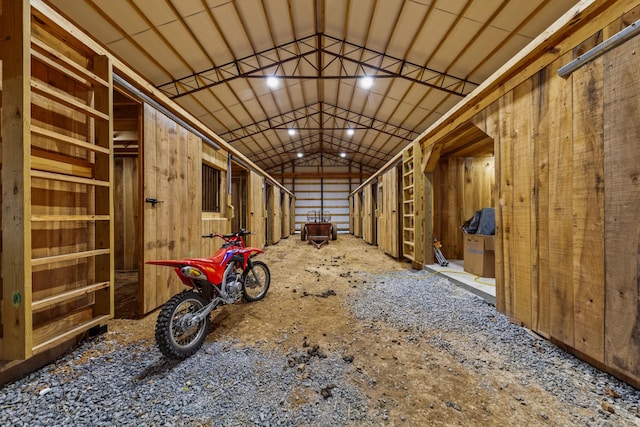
{"x": 256, "y": 282}
{"x": 176, "y": 336}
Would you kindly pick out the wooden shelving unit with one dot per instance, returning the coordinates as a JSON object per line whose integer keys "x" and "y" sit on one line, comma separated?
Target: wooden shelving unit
{"x": 60, "y": 283}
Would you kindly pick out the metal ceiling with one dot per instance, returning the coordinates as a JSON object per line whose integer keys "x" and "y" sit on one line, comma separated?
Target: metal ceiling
{"x": 213, "y": 58}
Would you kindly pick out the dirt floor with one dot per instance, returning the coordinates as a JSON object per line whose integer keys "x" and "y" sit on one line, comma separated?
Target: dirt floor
{"x": 307, "y": 303}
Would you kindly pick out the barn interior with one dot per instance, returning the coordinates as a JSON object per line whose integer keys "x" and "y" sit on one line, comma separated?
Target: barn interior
{"x": 132, "y": 128}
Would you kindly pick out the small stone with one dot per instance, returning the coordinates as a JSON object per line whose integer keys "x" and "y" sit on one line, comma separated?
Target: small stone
{"x": 608, "y": 407}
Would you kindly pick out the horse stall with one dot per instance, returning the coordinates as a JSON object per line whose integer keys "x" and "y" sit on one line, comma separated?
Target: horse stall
{"x": 463, "y": 182}
{"x": 564, "y": 154}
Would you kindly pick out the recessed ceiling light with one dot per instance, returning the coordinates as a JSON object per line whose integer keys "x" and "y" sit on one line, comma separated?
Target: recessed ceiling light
{"x": 366, "y": 82}
{"x": 292, "y": 132}
{"x": 300, "y": 155}
{"x": 350, "y": 131}
{"x": 343, "y": 155}
{"x": 272, "y": 82}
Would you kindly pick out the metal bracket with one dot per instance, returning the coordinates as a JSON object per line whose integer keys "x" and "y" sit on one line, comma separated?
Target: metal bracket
{"x": 153, "y": 202}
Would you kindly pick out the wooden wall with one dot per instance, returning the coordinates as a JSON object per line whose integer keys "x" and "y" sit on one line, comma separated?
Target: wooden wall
{"x": 369, "y": 214}
{"x": 389, "y": 213}
{"x": 274, "y": 210}
{"x": 461, "y": 186}
{"x": 358, "y": 213}
{"x": 567, "y": 228}
{"x": 172, "y": 166}
{"x": 256, "y": 211}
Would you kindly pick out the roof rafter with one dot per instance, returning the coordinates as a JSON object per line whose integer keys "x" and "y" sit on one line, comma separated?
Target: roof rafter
{"x": 290, "y": 60}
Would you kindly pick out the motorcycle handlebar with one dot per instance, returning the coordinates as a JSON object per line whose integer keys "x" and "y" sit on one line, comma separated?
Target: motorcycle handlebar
{"x": 240, "y": 233}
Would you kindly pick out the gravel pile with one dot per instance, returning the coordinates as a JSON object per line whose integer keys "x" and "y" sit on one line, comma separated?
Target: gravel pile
{"x": 225, "y": 383}
{"x": 421, "y": 302}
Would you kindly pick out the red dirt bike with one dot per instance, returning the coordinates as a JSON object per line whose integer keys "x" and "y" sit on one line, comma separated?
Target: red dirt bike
{"x": 229, "y": 275}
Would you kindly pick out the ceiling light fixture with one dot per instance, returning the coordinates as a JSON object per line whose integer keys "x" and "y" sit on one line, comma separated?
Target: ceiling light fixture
{"x": 272, "y": 82}
{"x": 366, "y": 82}
{"x": 350, "y": 131}
{"x": 300, "y": 155}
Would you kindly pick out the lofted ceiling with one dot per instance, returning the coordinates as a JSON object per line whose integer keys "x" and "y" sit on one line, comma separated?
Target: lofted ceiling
{"x": 213, "y": 58}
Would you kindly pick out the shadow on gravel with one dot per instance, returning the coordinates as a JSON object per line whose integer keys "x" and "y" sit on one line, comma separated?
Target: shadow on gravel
{"x": 160, "y": 368}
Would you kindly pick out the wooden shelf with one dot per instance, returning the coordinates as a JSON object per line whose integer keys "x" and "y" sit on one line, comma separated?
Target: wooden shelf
{"x": 62, "y": 63}
{"x": 64, "y": 218}
{"x": 65, "y": 296}
{"x": 67, "y": 139}
{"x": 67, "y": 101}
{"x": 68, "y": 178}
{"x": 82, "y": 327}
{"x": 68, "y": 257}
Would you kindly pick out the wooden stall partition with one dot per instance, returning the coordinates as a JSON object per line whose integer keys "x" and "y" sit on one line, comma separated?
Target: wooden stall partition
{"x": 256, "y": 210}
{"x": 274, "y": 214}
{"x": 352, "y": 203}
{"x": 621, "y": 206}
{"x": 292, "y": 217}
{"x": 389, "y": 212}
{"x": 285, "y": 203}
{"x": 357, "y": 214}
{"x": 172, "y": 162}
{"x": 368, "y": 215}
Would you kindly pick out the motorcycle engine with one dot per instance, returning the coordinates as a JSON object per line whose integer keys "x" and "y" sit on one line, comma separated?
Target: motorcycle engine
{"x": 233, "y": 286}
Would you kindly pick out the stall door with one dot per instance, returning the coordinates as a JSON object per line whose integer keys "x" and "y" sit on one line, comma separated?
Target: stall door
{"x": 172, "y": 203}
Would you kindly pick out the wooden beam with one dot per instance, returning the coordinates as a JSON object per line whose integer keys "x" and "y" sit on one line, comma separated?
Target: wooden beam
{"x": 104, "y": 203}
{"x": 16, "y": 180}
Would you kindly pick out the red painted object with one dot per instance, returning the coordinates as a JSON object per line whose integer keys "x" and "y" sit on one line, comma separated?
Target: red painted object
{"x": 228, "y": 276}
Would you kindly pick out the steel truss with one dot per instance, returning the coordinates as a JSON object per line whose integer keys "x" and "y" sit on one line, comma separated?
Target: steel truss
{"x": 318, "y": 56}
{"x": 319, "y": 115}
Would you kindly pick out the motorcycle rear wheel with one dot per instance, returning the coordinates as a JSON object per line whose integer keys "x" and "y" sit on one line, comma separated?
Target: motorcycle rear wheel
{"x": 174, "y": 336}
{"x": 256, "y": 282}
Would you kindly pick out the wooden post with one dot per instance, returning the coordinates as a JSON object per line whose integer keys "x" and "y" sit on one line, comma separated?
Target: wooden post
{"x": 419, "y": 213}
{"x": 104, "y": 195}
{"x": 16, "y": 180}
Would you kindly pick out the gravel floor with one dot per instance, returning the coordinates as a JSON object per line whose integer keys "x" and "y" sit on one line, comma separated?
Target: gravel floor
{"x": 99, "y": 384}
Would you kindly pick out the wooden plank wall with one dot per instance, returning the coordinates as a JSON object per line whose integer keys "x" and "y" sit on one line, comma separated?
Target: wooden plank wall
{"x": 286, "y": 215}
{"x": 357, "y": 214}
{"x": 256, "y": 211}
{"x": 172, "y": 228}
{"x": 389, "y": 213}
{"x": 275, "y": 215}
{"x": 621, "y": 206}
{"x": 461, "y": 186}
{"x": 368, "y": 215}
{"x": 567, "y": 229}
